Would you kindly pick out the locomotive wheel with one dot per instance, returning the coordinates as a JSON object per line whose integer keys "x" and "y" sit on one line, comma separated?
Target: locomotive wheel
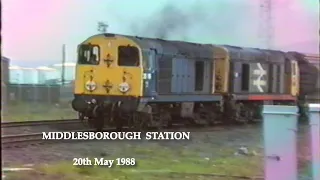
{"x": 157, "y": 118}
{"x": 165, "y": 119}
{"x": 81, "y": 117}
{"x": 119, "y": 126}
{"x": 241, "y": 114}
{"x": 98, "y": 123}
{"x": 90, "y": 123}
{"x": 200, "y": 118}
{"x": 138, "y": 122}
{"x": 118, "y": 122}
{"x": 115, "y": 117}
{"x": 98, "y": 120}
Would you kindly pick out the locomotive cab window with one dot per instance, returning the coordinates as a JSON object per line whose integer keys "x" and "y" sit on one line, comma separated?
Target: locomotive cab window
{"x": 89, "y": 54}
{"x": 128, "y": 56}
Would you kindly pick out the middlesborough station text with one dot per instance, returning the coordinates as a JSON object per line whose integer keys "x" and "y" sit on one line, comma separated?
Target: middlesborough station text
{"x": 115, "y": 135}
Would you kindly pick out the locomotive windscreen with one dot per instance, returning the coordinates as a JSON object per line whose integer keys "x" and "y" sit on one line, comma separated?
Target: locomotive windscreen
{"x": 88, "y": 54}
{"x": 128, "y": 56}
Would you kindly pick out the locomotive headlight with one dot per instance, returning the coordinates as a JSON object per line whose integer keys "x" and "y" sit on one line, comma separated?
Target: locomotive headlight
{"x": 124, "y": 87}
{"x": 91, "y": 86}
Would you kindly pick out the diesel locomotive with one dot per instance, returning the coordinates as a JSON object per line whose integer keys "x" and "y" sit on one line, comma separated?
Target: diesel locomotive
{"x": 139, "y": 82}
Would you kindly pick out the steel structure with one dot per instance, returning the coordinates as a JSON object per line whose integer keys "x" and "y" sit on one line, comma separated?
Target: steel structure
{"x": 266, "y": 24}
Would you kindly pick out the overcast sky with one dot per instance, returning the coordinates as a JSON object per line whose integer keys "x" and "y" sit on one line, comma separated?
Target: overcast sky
{"x": 34, "y": 30}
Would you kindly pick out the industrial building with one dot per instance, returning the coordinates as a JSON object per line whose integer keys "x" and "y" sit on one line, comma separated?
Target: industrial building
{"x": 46, "y": 74}
{"x": 22, "y": 75}
{"x": 69, "y": 69}
{"x": 42, "y": 75}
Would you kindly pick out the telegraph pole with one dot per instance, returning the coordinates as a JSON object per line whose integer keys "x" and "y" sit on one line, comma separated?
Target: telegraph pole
{"x": 102, "y": 27}
{"x": 266, "y": 23}
{"x": 63, "y": 64}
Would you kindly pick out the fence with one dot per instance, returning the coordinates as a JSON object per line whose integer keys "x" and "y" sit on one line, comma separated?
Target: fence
{"x": 66, "y": 92}
{"x": 4, "y": 99}
{"x": 33, "y": 93}
{"x": 280, "y": 140}
{"x": 13, "y": 93}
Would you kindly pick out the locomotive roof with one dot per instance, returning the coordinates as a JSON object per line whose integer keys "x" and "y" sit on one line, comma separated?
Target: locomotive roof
{"x": 313, "y": 59}
{"x": 246, "y": 53}
{"x": 237, "y": 49}
{"x": 189, "y": 49}
{"x": 195, "y": 50}
{"x": 192, "y": 50}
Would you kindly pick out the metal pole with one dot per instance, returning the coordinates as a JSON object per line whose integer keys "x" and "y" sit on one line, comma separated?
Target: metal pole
{"x": 266, "y": 31}
{"x": 63, "y": 64}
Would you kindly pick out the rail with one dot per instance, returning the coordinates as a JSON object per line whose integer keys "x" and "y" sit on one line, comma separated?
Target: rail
{"x": 20, "y": 138}
{"x": 26, "y": 139}
{"x": 38, "y": 123}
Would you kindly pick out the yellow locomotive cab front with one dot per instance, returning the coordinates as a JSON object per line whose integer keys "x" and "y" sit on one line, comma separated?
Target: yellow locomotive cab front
{"x": 109, "y": 66}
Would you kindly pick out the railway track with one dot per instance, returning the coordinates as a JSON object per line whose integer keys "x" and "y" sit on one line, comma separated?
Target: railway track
{"x": 20, "y": 140}
{"x": 34, "y": 139}
{"x": 31, "y": 139}
{"x": 39, "y": 123}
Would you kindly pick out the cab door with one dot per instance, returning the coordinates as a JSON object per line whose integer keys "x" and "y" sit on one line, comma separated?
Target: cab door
{"x": 150, "y": 73}
{"x": 294, "y": 78}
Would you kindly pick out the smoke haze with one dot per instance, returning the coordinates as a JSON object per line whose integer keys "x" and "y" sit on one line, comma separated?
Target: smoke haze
{"x": 199, "y": 21}
{"x": 33, "y": 32}
{"x": 295, "y": 24}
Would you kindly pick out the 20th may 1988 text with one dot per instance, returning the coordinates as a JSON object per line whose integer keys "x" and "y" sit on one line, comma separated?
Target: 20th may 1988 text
{"x": 104, "y": 162}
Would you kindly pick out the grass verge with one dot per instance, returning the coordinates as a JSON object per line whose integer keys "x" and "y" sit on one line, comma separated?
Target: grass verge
{"x": 38, "y": 111}
{"x": 154, "y": 163}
